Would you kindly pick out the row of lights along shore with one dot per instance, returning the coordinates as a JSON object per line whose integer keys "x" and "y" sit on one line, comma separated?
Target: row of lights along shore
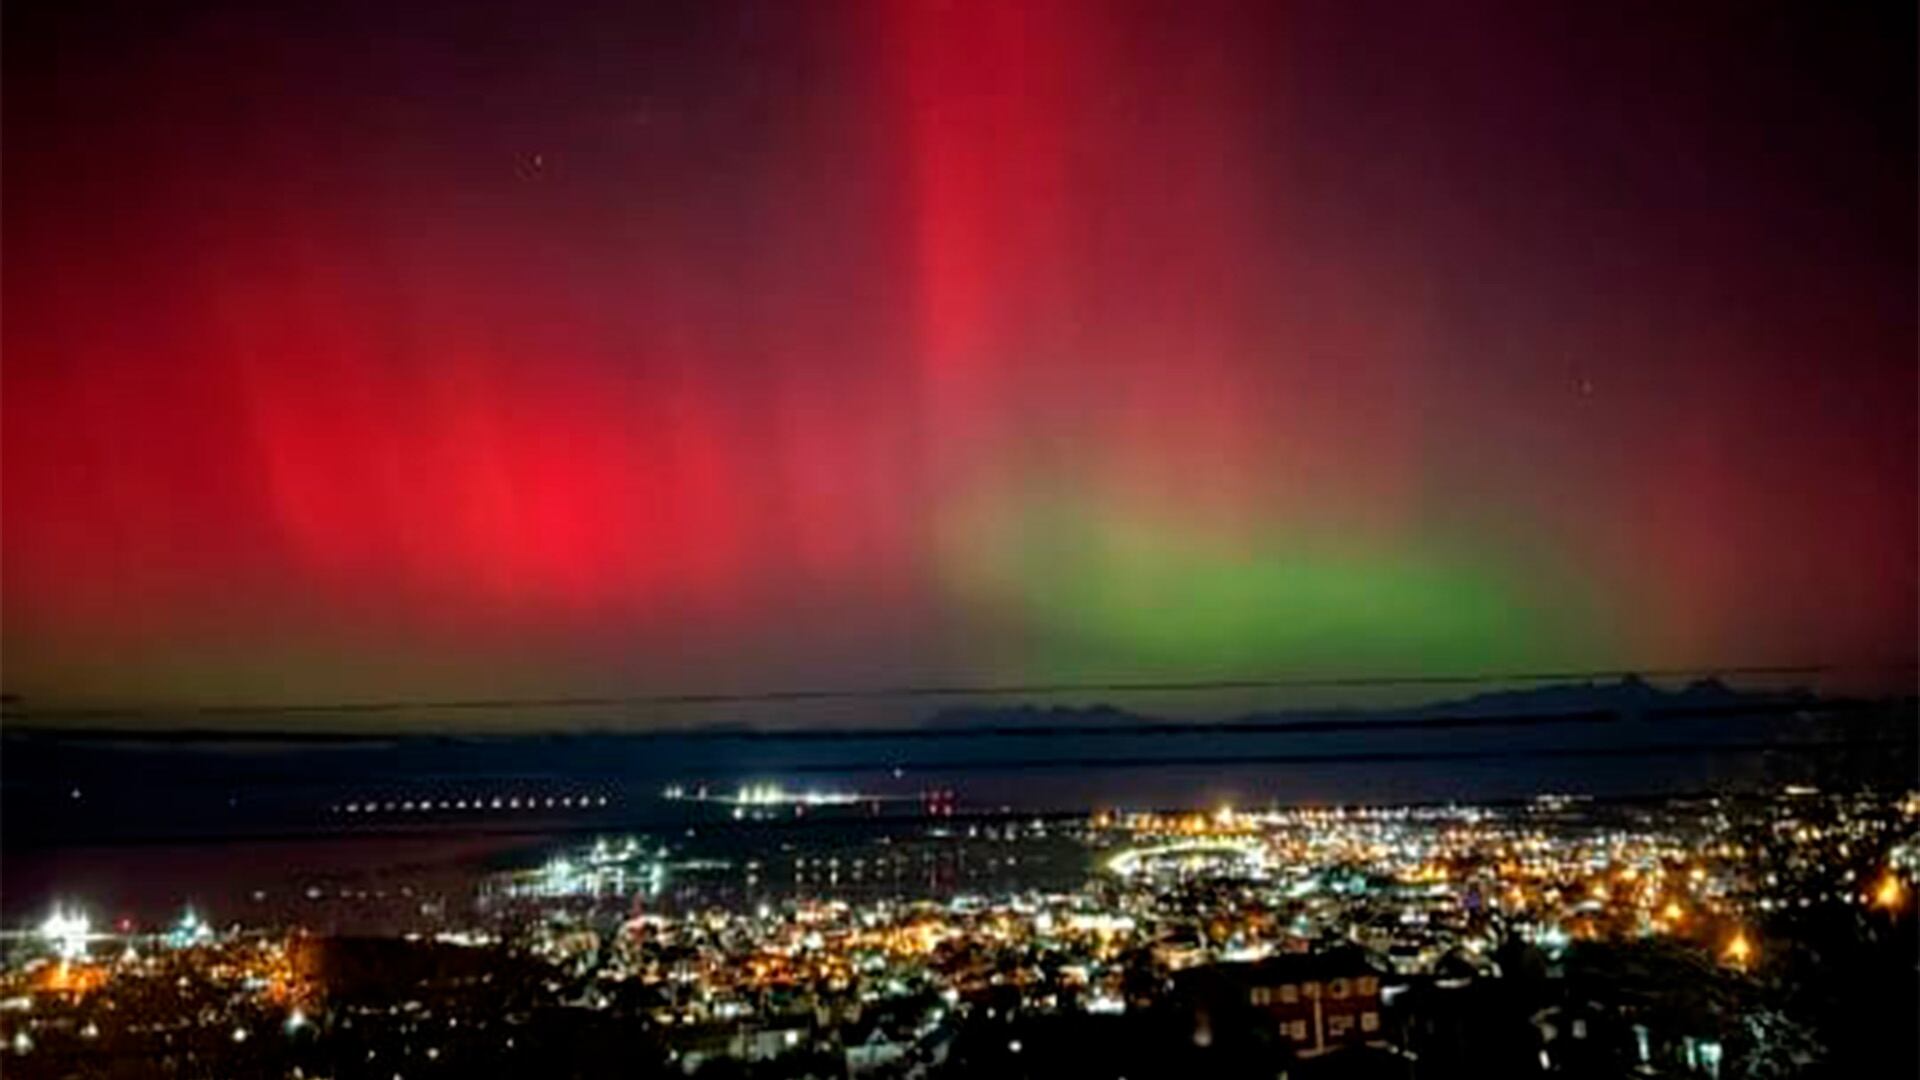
{"x": 410, "y": 806}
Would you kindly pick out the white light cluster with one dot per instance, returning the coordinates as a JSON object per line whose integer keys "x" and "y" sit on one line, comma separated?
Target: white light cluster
{"x": 68, "y": 932}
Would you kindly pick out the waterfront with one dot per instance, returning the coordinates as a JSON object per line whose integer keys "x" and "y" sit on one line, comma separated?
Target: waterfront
{"x": 880, "y": 946}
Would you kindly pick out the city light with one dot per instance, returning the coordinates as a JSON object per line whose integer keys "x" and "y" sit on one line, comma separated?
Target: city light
{"x": 757, "y": 938}
{"x": 189, "y": 931}
{"x": 68, "y": 932}
{"x": 1739, "y": 951}
{"x": 1890, "y": 893}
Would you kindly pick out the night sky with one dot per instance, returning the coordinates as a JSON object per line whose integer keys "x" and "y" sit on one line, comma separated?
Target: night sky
{"x": 362, "y": 350}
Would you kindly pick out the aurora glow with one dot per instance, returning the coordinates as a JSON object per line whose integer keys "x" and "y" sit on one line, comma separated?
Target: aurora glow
{"x": 465, "y": 350}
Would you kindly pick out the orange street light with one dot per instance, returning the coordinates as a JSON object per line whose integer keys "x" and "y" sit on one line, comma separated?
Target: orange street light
{"x": 1739, "y": 950}
{"x": 1889, "y": 894}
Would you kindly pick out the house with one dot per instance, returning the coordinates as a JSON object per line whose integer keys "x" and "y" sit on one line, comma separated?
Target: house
{"x": 766, "y": 1041}
{"x": 871, "y": 1047}
{"x": 1313, "y": 1003}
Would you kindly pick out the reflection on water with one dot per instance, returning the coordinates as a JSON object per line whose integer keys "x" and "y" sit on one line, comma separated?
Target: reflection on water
{"x": 392, "y": 885}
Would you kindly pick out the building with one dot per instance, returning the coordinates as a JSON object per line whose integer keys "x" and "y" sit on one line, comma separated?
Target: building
{"x": 1313, "y": 1004}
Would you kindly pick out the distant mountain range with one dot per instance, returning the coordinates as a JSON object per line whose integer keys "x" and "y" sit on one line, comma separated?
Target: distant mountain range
{"x": 1625, "y": 698}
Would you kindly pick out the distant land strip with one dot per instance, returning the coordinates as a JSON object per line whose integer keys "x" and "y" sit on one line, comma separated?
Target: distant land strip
{"x": 14, "y": 708}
